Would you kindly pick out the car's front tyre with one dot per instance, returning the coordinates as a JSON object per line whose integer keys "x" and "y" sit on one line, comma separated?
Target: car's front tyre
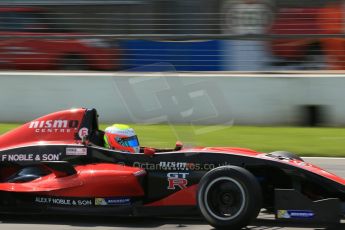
{"x": 229, "y": 197}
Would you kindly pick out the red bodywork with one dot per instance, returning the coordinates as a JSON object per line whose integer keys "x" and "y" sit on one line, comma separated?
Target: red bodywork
{"x": 43, "y": 131}
{"x": 36, "y": 45}
{"x": 91, "y": 180}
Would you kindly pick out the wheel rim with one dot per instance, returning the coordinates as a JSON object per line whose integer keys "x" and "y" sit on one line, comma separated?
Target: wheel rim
{"x": 224, "y": 198}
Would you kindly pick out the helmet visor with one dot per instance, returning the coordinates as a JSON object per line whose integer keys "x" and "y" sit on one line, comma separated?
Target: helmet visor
{"x": 128, "y": 141}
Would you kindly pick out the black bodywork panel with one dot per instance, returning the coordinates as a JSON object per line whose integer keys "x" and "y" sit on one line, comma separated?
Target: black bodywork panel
{"x": 291, "y": 205}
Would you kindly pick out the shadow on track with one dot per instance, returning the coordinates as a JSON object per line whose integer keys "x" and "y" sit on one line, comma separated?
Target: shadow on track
{"x": 272, "y": 224}
{"x": 96, "y": 221}
{"x": 146, "y": 223}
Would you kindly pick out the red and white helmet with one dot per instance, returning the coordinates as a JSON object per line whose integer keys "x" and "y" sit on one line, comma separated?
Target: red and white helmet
{"x": 121, "y": 137}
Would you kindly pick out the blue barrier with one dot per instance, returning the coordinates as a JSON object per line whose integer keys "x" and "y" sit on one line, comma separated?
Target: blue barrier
{"x": 142, "y": 55}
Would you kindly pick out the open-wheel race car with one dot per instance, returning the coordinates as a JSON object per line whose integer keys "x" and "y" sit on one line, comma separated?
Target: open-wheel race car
{"x": 58, "y": 164}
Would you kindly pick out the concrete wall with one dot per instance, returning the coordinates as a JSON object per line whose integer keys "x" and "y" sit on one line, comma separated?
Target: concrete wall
{"x": 173, "y": 97}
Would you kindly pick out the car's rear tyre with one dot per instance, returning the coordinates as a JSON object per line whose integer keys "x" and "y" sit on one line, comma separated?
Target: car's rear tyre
{"x": 286, "y": 154}
{"x": 229, "y": 197}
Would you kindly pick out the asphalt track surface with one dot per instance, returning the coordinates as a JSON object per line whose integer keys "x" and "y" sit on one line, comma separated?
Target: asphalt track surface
{"x": 264, "y": 221}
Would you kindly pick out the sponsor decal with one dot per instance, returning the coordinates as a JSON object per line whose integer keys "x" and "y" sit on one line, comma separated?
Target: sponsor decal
{"x": 63, "y": 201}
{"x": 112, "y": 201}
{"x": 295, "y": 214}
{"x": 17, "y": 157}
{"x": 54, "y": 126}
{"x": 172, "y": 165}
{"x": 83, "y": 132}
{"x": 76, "y": 151}
{"x": 177, "y": 180}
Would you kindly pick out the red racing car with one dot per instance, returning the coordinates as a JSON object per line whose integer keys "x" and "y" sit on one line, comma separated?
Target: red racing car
{"x": 31, "y": 39}
{"x": 57, "y": 164}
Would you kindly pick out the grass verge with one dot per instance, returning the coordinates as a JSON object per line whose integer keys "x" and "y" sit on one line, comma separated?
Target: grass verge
{"x": 303, "y": 141}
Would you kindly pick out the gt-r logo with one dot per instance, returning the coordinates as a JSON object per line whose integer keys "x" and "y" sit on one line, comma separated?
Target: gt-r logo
{"x": 178, "y": 180}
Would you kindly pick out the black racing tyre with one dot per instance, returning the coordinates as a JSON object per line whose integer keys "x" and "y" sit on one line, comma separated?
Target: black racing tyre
{"x": 229, "y": 197}
{"x": 286, "y": 154}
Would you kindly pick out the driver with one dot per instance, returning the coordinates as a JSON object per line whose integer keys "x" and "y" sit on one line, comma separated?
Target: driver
{"x": 121, "y": 137}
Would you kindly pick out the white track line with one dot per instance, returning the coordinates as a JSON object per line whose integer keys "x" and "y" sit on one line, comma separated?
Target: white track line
{"x": 178, "y": 74}
{"x": 333, "y": 158}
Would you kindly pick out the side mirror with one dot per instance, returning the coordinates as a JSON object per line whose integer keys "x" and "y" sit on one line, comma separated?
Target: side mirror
{"x": 149, "y": 151}
{"x": 178, "y": 145}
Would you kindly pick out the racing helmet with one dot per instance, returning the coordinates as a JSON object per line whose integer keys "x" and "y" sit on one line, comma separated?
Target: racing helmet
{"x": 121, "y": 137}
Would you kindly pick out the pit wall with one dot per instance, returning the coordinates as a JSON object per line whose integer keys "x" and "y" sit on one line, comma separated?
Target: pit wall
{"x": 197, "y": 98}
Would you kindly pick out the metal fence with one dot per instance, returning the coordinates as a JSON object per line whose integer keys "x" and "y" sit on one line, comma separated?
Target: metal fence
{"x": 181, "y": 35}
